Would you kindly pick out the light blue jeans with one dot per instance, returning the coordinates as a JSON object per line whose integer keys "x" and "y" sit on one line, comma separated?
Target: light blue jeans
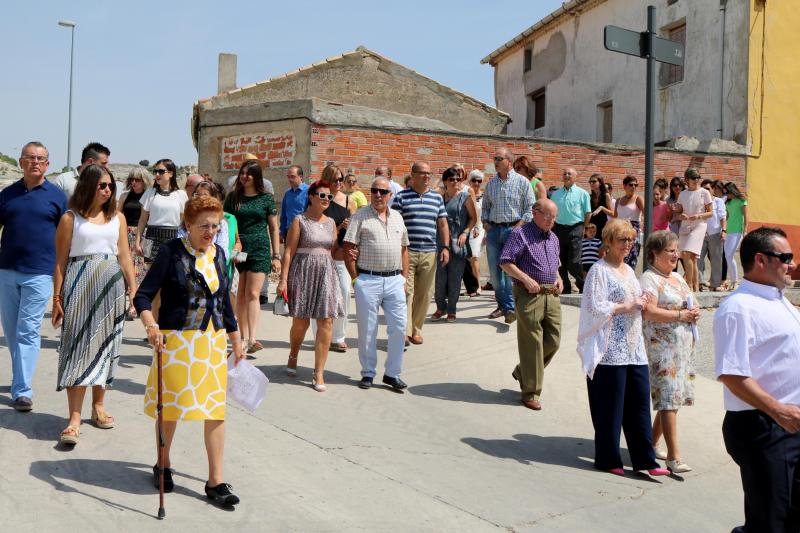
{"x": 23, "y": 298}
{"x": 495, "y": 240}
{"x": 372, "y": 293}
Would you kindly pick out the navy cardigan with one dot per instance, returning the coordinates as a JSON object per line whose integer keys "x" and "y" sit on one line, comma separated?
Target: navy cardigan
{"x": 169, "y": 275}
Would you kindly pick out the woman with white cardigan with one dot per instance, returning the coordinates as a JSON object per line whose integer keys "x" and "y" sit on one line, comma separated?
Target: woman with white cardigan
{"x": 612, "y": 350}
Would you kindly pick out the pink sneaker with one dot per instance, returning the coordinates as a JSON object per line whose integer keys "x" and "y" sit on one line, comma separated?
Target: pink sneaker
{"x": 617, "y": 471}
{"x": 658, "y": 472}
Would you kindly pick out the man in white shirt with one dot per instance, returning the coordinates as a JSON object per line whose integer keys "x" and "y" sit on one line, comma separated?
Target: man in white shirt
{"x": 715, "y": 235}
{"x": 93, "y": 153}
{"x": 383, "y": 171}
{"x": 757, "y": 358}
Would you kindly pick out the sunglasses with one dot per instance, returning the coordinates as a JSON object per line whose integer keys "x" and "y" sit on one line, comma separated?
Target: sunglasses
{"x": 632, "y": 185}
{"x": 351, "y": 182}
{"x": 137, "y": 180}
{"x": 592, "y": 181}
{"x": 498, "y": 158}
{"x": 475, "y": 180}
{"x": 325, "y": 196}
{"x": 785, "y": 257}
{"x": 382, "y": 192}
{"x": 105, "y": 185}
{"x": 159, "y": 171}
{"x": 338, "y": 180}
{"x": 454, "y": 179}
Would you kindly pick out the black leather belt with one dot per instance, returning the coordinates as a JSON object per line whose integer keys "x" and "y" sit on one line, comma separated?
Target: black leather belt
{"x": 504, "y": 224}
{"x": 388, "y": 274}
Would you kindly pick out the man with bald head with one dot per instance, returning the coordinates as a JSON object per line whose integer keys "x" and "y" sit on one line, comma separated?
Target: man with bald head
{"x": 384, "y": 171}
{"x": 530, "y": 257}
{"x": 574, "y": 211}
{"x": 380, "y": 271}
{"x": 506, "y": 204}
{"x": 426, "y": 219}
{"x": 192, "y": 181}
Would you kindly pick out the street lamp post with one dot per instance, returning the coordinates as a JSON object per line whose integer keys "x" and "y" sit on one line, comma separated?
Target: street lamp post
{"x": 71, "y": 25}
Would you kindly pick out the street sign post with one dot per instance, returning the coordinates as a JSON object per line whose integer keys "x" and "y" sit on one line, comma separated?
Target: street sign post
{"x": 653, "y": 48}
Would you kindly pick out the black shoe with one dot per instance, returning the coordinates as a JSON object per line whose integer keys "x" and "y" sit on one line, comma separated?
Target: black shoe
{"x": 395, "y": 383}
{"x": 262, "y": 300}
{"x": 169, "y": 485}
{"x": 23, "y": 404}
{"x": 222, "y": 494}
{"x": 365, "y": 383}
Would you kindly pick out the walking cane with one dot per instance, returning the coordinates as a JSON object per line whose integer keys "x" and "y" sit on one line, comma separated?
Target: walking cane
{"x": 160, "y": 424}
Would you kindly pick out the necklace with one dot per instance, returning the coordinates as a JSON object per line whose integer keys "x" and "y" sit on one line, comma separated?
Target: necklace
{"x": 657, "y": 271}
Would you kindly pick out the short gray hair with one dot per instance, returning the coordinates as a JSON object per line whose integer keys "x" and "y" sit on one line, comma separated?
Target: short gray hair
{"x": 37, "y": 144}
{"x": 657, "y": 242}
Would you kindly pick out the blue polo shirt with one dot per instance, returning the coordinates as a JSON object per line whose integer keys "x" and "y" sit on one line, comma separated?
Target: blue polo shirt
{"x": 29, "y": 220}
{"x": 573, "y": 204}
{"x": 293, "y": 203}
{"x": 420, "y": 214}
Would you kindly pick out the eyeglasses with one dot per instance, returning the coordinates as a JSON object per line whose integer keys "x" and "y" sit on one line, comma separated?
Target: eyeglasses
{"x": 546, "y": 216}
{"x": 499, "y": 158}
{"x": 476, "y": 180}
{"x": 592, "y": 181}
{"x": 209, "y": 228}
{"x": 784, "y": 257}
{"x": 35, "y": 158}
{"x": 632, "y": 185}
{"x": 382, "y": 192}
{"x": 626, "y": 240}
{"x": 159, "y": 171}
{"x": 692, "y": 178}
{"x": 325, "y": 196}
{"x": 103, "y": 185}
{"x": 351, "y": 182}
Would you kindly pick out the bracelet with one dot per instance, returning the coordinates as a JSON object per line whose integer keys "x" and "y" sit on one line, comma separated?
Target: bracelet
{"x": 679, "y": 315}
{"x": 57, "y": 298}
{"x": 276, "y": 258}
{"x": 152, "y": 326}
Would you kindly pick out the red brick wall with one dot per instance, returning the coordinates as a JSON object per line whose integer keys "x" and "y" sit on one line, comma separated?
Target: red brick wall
{"x": 274, "y": 150}
{"x": 361, "y": 150}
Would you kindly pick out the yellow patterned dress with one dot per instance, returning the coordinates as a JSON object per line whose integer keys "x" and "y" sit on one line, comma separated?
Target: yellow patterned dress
{"x": 195, "y": 370}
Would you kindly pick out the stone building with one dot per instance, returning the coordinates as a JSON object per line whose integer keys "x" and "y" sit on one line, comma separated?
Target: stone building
{"x": 557, "y": 80}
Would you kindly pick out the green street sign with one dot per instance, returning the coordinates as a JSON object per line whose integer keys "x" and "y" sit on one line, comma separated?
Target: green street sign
{"x": 624, "y": 41}
{"x": 667, "y": 51}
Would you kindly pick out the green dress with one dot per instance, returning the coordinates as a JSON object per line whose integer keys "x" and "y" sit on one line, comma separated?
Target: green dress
{"x": 252, "y": 217}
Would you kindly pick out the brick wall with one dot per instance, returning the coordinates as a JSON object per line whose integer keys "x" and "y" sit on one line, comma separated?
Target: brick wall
{"x": 275, "y": 150}
{"x": 361, "y": 150}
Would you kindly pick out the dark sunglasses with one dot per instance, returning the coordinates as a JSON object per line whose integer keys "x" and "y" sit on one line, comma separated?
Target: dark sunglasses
{"x": 159, "y": 171}
{"x": 592, "y": 181}
{"x": 325, "y": 196}
{"x": 105, "y": 185}
{"x": 476, "y": 180}
{"x": 454, "y": 179}
{"x": 338, "y": 180}
{"x": 382, "y": 192}
{"x": 498, "y": 158}
{"x": 785, "y": 257}
{"x": 632, "y": 185}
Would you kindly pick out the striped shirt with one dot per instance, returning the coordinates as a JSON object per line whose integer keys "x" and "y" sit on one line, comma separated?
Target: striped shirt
{"x": 420, "y": 213}
{"x": 380, "y": 244}
{"x": 590, "y": 251}
{"x": 534, "y": 252}
{"x": 508, "y": 200}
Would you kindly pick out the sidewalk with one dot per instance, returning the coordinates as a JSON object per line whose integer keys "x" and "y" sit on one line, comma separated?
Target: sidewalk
{"x": 456, "y": 452}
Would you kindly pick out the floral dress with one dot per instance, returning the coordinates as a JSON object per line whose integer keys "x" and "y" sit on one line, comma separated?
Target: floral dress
{"x": 670, "y": 346}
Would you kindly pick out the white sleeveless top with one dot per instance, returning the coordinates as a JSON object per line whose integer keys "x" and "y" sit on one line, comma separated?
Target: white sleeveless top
{"x": 628, "y": 211}
{"x": 90, "y": 239}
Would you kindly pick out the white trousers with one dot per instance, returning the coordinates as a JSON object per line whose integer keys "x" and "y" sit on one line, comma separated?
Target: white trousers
{"x": 372, "y": 293}
{"x": 732, "y": 241}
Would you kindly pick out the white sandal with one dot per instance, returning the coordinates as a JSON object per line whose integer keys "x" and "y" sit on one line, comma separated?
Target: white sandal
{"x": 677, "y": 466}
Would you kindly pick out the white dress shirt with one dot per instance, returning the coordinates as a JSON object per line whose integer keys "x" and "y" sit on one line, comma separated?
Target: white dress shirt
{"x": 718, "y": 214}
{"x": 757, "y": 334}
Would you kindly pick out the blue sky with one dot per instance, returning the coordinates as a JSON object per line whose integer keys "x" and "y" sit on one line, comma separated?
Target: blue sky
{"x": 139, "y": 66}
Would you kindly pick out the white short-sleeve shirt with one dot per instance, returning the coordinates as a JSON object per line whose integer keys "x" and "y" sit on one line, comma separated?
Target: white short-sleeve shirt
{"x": 757, "y": 335}
{"x": 163, "y": 210}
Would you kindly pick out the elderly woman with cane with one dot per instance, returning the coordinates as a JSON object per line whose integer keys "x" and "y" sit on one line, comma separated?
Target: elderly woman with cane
{"x": 612, "y": 350}
{"x": 196, "y": 311}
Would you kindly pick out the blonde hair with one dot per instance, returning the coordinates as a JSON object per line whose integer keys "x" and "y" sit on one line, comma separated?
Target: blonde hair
{"x": 616, "y": 229}
{"x": 140, "y": 173}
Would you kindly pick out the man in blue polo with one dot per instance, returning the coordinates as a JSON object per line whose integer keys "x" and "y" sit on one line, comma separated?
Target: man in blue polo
{"x": 294, "y": 199}
{"x": 29, "y": 213}
{"x": 574, "y": 210}
{"x": 425, "y": 218}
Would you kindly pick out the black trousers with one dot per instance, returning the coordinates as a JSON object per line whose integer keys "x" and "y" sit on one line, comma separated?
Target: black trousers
{"x": 767, "y": 455}
{"x": 619, "y": 399}
{"x": 569, "y": 241}
{"x": 471, "y": 283}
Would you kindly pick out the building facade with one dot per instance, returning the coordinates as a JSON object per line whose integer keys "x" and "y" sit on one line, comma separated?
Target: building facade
{"x": 557, "y": 80}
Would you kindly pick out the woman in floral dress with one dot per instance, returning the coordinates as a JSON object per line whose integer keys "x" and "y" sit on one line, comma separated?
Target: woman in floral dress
{"x": 670, "y": 342}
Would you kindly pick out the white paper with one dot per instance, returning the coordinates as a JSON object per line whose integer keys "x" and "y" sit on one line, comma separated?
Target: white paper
{"x": 247, "y": 385}
{"x": 691, "y": 304}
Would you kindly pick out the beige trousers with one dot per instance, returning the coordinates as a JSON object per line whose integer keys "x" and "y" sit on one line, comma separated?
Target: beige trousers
{"x": 421, "y": 275}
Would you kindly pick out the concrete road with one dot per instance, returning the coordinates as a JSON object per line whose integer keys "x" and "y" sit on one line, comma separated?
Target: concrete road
{"x": 456, "y": 452}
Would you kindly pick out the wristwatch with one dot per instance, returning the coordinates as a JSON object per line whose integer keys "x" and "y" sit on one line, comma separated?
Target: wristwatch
{"x": 274, "y": 257}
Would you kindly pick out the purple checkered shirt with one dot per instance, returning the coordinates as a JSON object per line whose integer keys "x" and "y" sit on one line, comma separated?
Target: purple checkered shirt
{"x": 534, "y": 252}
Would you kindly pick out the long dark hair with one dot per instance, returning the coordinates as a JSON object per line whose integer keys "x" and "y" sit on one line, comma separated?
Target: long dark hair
{"x": 86, "y": 189}
{"x": 599, "y": 198}
{"x": 677, "y": 180}
{"x": 250, "y": 168}
{"x": 170, "y": 166}
{"x": 731, "y": 188}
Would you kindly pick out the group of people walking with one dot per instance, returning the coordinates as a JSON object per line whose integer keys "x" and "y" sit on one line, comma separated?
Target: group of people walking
{"x": 191, "y": 264}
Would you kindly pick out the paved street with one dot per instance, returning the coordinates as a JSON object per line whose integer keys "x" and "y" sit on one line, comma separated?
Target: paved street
{"x": 456, "y": 452}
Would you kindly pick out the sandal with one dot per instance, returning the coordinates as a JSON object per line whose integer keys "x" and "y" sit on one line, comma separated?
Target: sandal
{"x": 339, "y": 347}
{"x": 101, "y": 418}
{"x": 254, "y": 346}
{"x": 291, "y": 370}
{"x": 71, "y": 435}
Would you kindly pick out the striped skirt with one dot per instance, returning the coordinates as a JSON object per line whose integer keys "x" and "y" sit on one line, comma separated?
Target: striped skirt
{"x": 94, "y": 314}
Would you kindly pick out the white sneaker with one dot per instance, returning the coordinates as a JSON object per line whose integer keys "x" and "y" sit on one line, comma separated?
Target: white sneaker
{"x": 678, "y": 467}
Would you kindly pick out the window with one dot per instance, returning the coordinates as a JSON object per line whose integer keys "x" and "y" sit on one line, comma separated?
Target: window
{"x": 528, "y": 63}
{"x": 605, "y": 122}
{"x": 673, "y": 73}
{"x": 536, "y": 110}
